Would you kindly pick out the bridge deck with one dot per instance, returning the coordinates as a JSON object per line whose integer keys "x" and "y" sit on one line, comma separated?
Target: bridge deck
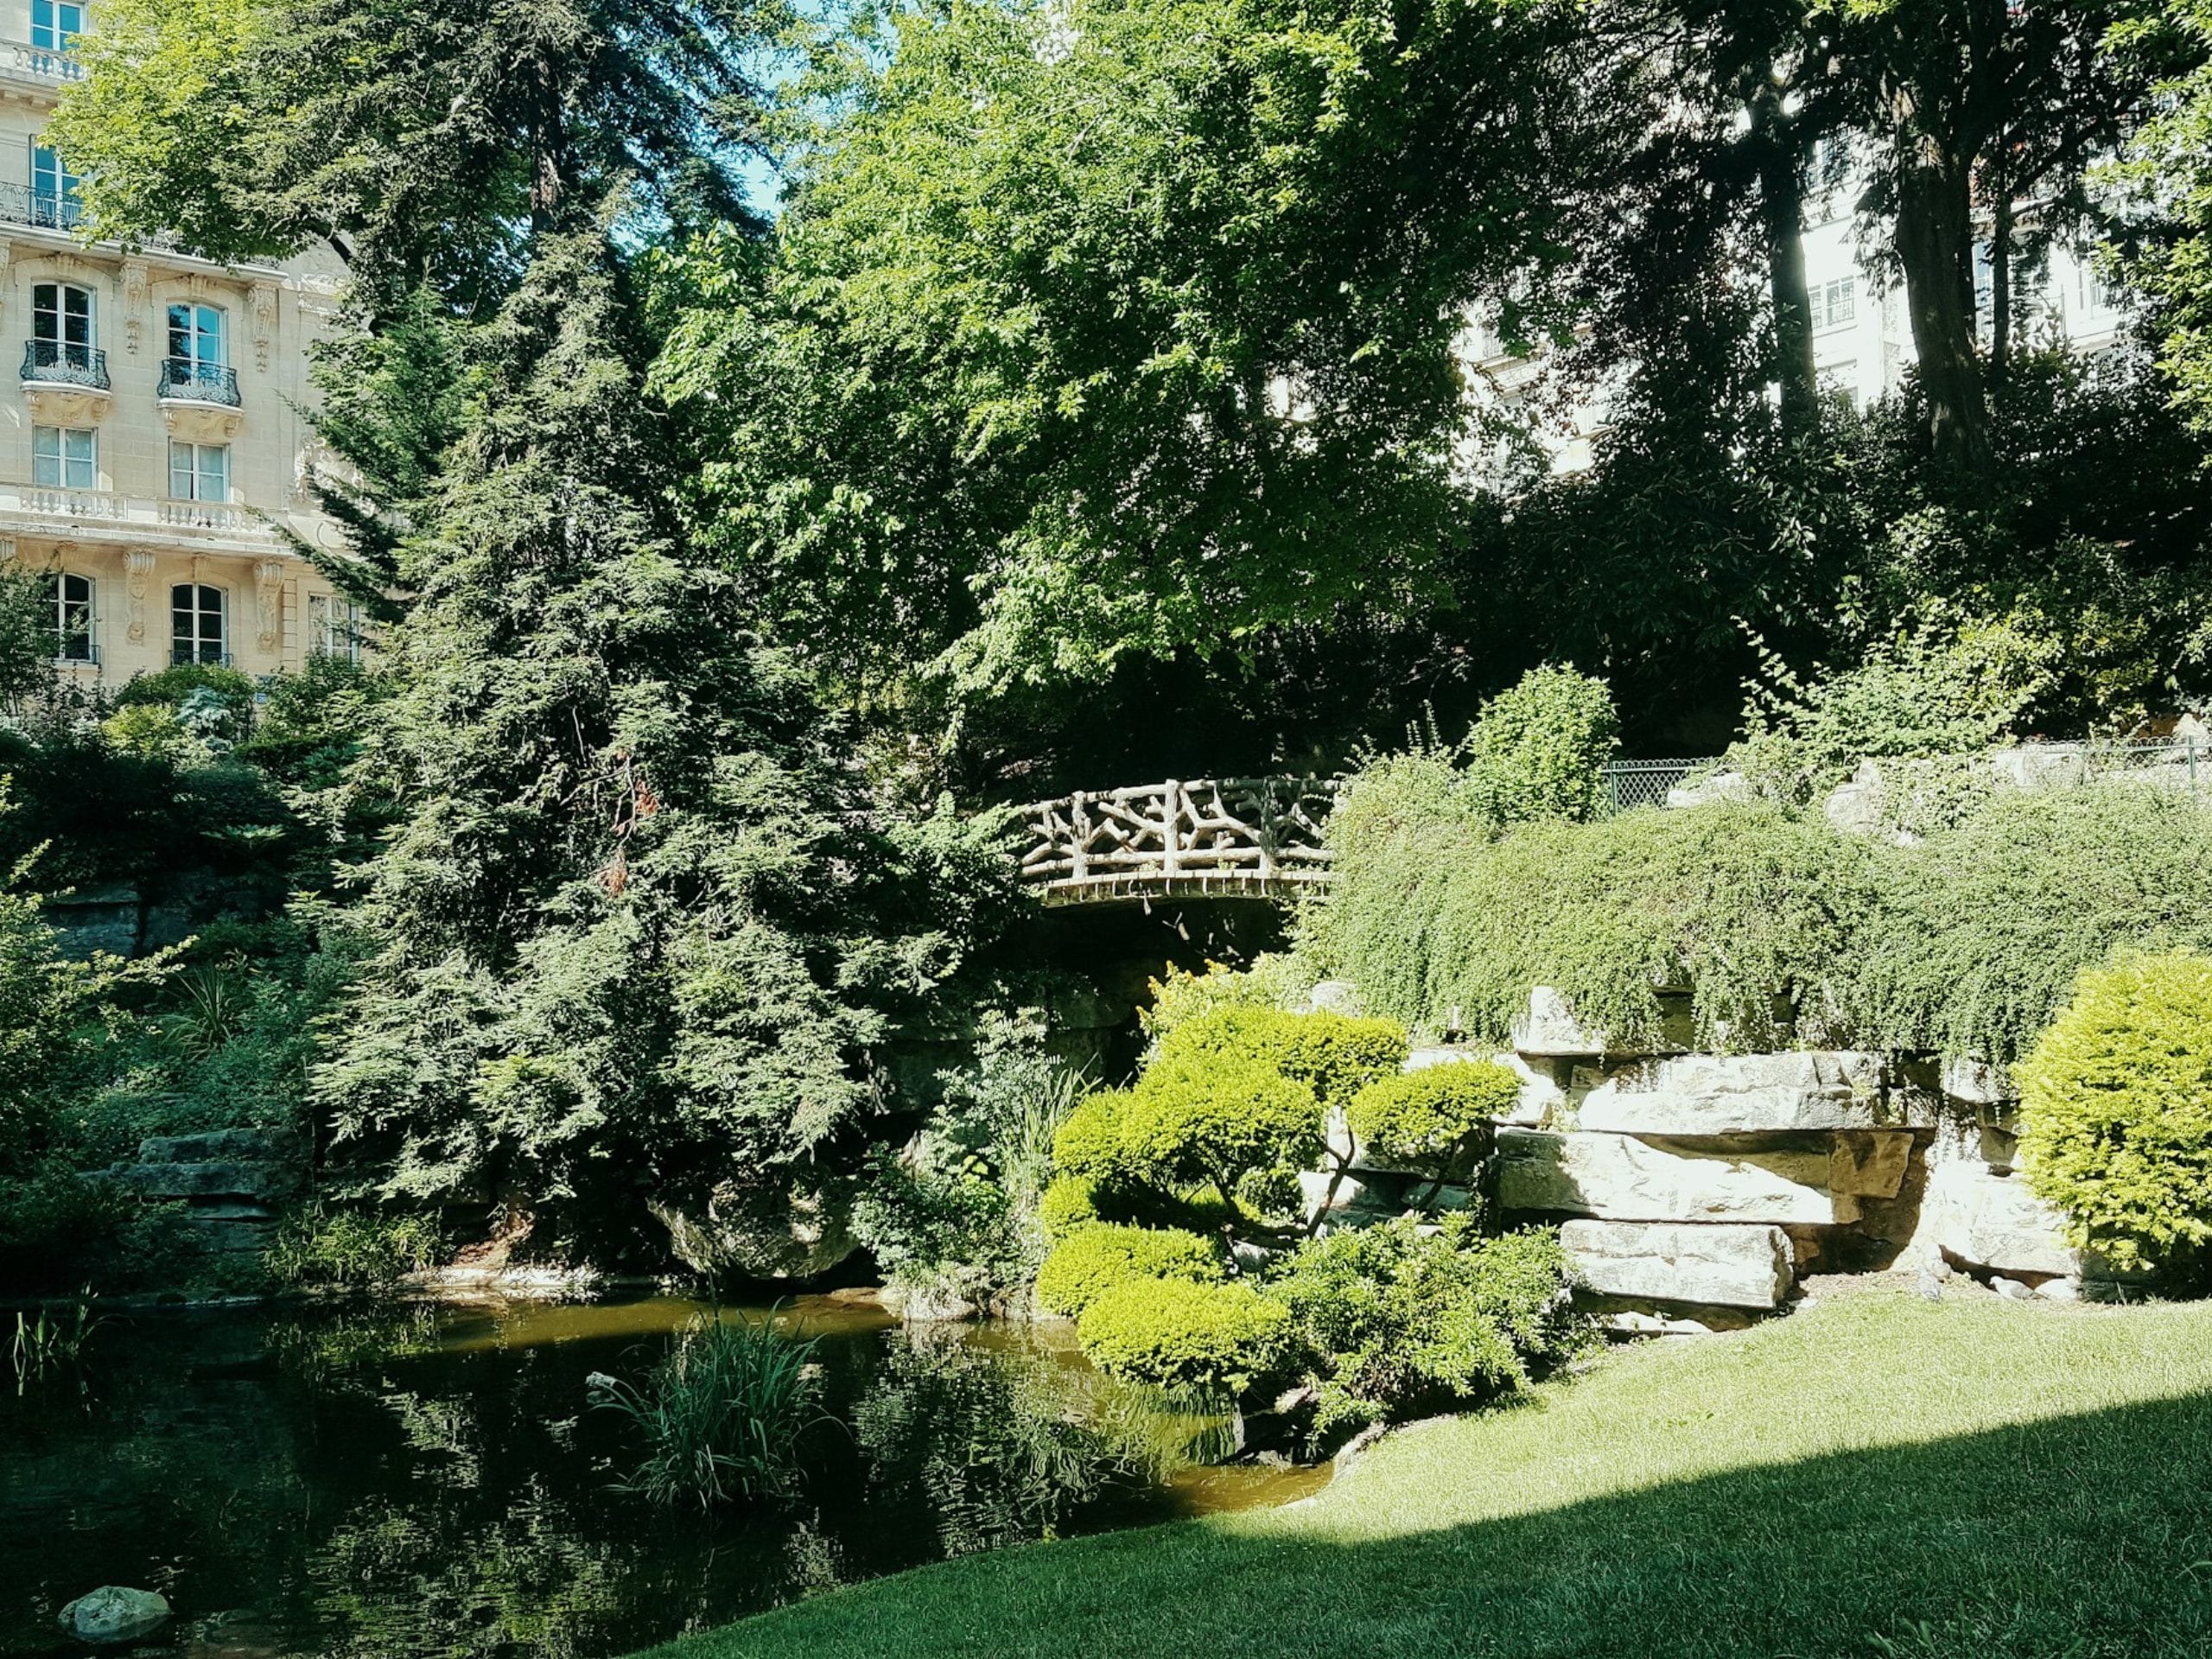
{"x": 1237, "y": 837}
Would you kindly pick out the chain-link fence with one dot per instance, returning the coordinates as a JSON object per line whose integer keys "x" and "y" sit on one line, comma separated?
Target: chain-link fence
{"x": 2182, "y": 765}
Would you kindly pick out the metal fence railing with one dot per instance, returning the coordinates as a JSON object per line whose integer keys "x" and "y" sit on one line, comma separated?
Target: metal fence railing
{"x": 1647, "y": 783}
{"x": 2183, "y": 764}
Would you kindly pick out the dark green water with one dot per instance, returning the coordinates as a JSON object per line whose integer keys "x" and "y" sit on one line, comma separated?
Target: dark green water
{"x": 430, "y": 1479}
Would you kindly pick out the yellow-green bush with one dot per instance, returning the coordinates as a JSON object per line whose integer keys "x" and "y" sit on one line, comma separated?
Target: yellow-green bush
{"x": 1089, "y": 1142}
{"x": 1335, "y": 1055}
{"x": 2116, "y": 1111}
{"x": 1092, "y": 1259}
{"x": 1274, "y": 981}
{"x": 1175, "y": 1333}
{"x": 1432, "y": 1117}
{"x": 1214, "y": 1121}
{"x": 1068, "y": 1202}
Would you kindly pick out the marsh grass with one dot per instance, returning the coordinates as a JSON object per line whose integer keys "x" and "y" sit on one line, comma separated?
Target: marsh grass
{"x": 722, "y": 1414}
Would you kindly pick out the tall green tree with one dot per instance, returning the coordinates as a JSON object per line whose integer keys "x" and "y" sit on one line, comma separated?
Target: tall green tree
{"x": 424, "y": 141}
{"x": 629, "y": 940}
{"x": 2168, "y": 172}
{"x": 1127, "y": 327}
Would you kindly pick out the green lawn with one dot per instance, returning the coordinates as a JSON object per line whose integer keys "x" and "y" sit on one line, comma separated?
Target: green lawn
{"x": 1876, "y": 1475}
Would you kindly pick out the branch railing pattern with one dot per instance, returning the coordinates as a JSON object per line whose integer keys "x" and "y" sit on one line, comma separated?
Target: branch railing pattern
{"x": 1253, "y": 835}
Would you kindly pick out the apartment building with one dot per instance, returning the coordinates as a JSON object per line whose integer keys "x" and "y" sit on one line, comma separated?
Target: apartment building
{"x": 157, "y": 444}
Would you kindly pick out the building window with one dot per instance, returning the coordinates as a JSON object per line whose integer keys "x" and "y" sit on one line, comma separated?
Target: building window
{"x": 196, "y": 630}
{"x": 64, "y": 458}
{"x": 55, "y": 24}
{"x": 61, "y": 315}
{"x": 196, "y": 335}
{"x": 54, "y": 190}
{"x": 1831, "y": 161}
{"x": 334, "y": 626}
{"x": 69, "y": 597}
{"x": 1835, "y": 303}
{"x": 200, "y": 472}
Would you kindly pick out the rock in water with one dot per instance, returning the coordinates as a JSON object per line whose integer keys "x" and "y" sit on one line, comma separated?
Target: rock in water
{"x": 113, "y": 1613}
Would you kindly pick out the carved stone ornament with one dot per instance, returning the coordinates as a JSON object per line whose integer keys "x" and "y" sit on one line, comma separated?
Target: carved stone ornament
{"x": 269, "y": 590}
{"x": 262, "y": 306}
{"x": 65, "y": 405}
{"x": 137, "y": 568}
{"x": 135, "y": 282}
{"x": 196, "y": 422}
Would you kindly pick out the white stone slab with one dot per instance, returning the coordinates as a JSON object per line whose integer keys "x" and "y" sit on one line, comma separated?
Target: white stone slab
{"x": 1715, "y": 1094}
{"x": 1727, "y": 1266}
{"x": 1620, "y": 1177}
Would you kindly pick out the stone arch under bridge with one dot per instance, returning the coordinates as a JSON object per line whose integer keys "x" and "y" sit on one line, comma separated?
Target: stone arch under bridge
{"x": 1211, "y": 838}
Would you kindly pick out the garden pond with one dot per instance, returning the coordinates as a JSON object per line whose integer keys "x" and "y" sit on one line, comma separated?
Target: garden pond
{"x": 420, "y": 1479}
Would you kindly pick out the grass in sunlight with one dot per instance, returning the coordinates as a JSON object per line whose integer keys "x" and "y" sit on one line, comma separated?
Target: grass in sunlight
{"x": 1876, "y": 1475}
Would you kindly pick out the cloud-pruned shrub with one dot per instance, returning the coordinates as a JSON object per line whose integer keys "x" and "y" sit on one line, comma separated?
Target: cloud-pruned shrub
{"x": 1436, "y": 1119}
{"x": 1176, "y": 1333}
{"x": 1094, "y": 1259}
{"x": 2116, "y": 1112}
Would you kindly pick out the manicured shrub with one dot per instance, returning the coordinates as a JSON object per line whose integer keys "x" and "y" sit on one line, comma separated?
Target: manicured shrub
{"x": 1192, "y": 1120}
{"x": 1334, "y": 1055}
{"x": 2116, "y": 1111}
{"x": 1089, "y": 1141}
{"x": 1176, "y": 1334}
{"x": 1436, "y": 1118}
{"x": 1093, "y": 1259}
{"x": 1068, "y": 1202}
{"x": 1535, "y": 752}
{"x": 1395, "y": 1319}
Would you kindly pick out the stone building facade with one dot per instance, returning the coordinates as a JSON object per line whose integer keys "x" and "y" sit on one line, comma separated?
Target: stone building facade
{"x": 152, "y": 464}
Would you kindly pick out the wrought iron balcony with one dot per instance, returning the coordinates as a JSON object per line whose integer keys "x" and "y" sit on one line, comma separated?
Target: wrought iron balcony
{"x": 20, "y": 204}
{"x": 202, "y": 383}
{"x": 65, "y": 363}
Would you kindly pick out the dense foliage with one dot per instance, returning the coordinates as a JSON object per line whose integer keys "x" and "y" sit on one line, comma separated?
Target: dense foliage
{"x": 1180, "y": 1333}
{"x": 1406, "y": 1318}
{"x": 1094, "y": 1259}
{"x": 2116, "y": 1112}
{"x": 1436, "y": 1119}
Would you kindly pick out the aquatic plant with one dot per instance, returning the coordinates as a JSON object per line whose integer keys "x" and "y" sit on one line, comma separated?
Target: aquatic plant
{"x": 722, "y": 1413}
{"x": 50, "y": 1341}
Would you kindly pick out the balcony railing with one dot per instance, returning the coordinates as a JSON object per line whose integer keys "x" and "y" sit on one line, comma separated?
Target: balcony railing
{"x": 20, "y": 204}
{"x": 198, "y": 382}
{"x": 105, "y": 507}
{"x": 47, "y": 62}
{"x": 65, "y": 363}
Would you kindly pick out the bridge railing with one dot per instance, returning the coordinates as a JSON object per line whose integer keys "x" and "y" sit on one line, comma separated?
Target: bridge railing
{"x": 1254, "y": 833}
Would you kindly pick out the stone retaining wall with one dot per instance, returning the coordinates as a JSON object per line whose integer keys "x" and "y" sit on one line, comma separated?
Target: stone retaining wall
{"x": 233, "y": 1182}
{"x": 1694, "y": 1190}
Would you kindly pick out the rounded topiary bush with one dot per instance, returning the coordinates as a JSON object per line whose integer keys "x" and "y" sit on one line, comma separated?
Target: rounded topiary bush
{"x": 1174, "y": 1333}
{"x": 2116, "y": 1111}
{"x": 1431, "y": 1117}
{"x": 1068, "y": 1202}
{"x": 1089, "y": 1142}
{"x": 1092, "y": 1259}
{"x": 1335, "y": 1055}
{"x": 1215, "y": 1121}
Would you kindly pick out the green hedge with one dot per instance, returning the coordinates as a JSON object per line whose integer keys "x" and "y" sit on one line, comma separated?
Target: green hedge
{"x": 1433, "y": 1117}
{"x": 1966, "y": 943}
{"x": 1174, "y": 1333}
{"x": 1093, "y": 1259}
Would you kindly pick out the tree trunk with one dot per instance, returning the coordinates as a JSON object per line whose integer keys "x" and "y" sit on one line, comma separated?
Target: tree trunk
{"x": 548, "y": 148}
{"x": 2000, "y": 283}
{"x": 1935, "y": 244}
{"x": 1782, "y": 215}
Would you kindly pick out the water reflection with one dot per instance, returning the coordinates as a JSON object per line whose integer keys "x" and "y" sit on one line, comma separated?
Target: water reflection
{"x": 421, "y": 1480}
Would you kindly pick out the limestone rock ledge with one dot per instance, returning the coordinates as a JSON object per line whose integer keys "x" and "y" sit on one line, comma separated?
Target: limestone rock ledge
{"x": 1625, "y": 1178}
{"x": 1727, "y": 1266}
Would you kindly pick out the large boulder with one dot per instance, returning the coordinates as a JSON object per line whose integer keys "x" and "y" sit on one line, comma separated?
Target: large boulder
{"x": 115, "y": 1613}
{"x": 1623, "y": 1177}
{"x": 1550, "y": 1028}
{"x": 1716, "y": 1094}
{"x": 1993, "y": 1222}
{"x": 1728, "y": 1266}
{"x": 1975, "y": 1081}
{"x": 797, "y": 1230}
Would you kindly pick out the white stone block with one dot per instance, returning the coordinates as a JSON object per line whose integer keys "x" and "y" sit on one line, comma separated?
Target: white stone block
{"x": 1620, "y": 1177}
{"x": 1976, "y": 1081}
{"x": 1715, "y": 1094}
{"x": 1550, "y": 1028}
{"x": 1725, "y": 1266}
{"x": 1994, "y": 1222}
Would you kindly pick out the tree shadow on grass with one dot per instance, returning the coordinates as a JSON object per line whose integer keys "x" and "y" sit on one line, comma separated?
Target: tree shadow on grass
{"x": 2085, "y": 1537}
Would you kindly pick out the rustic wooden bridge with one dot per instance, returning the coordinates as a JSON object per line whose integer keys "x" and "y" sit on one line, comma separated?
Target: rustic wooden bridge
{"x": 1225, "y": 838}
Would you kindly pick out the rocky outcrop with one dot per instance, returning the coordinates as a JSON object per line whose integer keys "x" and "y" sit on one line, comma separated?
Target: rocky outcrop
{"x": 1749, "y": 1094}
{"x": 1550, "y": 1028}
{"x": 1728, "y": 1266}
{"x": 798, "y": 1231}
{"x": 1629, "y": 1178}
{"x": 233, "y": 1182}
